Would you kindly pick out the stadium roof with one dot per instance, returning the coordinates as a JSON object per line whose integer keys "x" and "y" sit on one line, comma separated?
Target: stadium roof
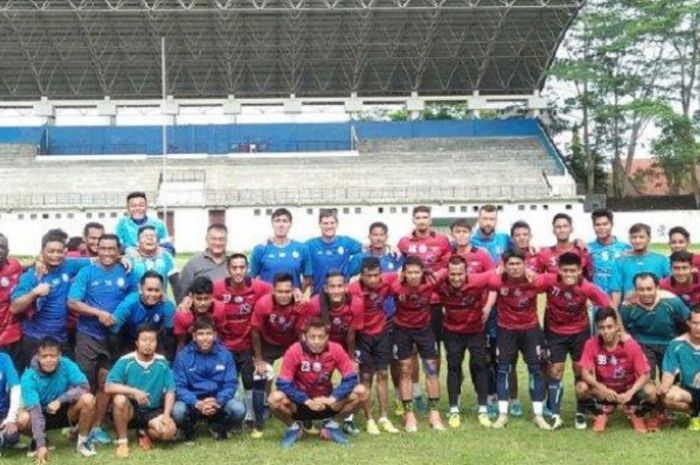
{"x": 75, "y": 49}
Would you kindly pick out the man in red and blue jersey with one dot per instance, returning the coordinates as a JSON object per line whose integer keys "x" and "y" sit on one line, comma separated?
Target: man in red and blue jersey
{"x": 238, "y": 295}
{"x": 305, "y": 391}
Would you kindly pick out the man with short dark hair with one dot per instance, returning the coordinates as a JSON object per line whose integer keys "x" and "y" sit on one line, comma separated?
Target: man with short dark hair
{"x": 476, "y": 259}
{"x": 206, "y": 381}
{"x": 614, "y": 371}
{"x": 486, "y": 236}
{"x": 566, "y": 326}
{"x": 55, "y": 394}
{"x": 330, "y": 251}
{"x": 42, "y": 300}
{"x": 198, "y": 302}
{"x": 10, "y": 323}
{"x": 684, "y": 281}
{"x": 638, "y": 260}
{"x": 211, "y": 263}
{"x": 378, "y": 247}
{"x": 137, "y": 216}
{"x": 605, "y": 249}
{"x": 238, "y": 295}
{"x": 94, "y": 295}
{"x": 280, "y": 254}
{"x": 562, "y": 227}
{"x": 143, "y": 394}
{"x": 276, "y": 324}
{"x": 521, "y": 236}
{"x": 92, "y": 232}
{"x": 304, "y": 386}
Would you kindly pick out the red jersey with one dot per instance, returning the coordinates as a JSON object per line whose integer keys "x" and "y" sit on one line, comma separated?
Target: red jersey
{"x": 412, "y": 303}
{"x": 689, "y": 293}
{"x": 532, "y": 261}
{"x": 278, "y": 325}
{"x": 696, "y": 261}
{"x": 464, "y": 306}
{"x": 516, "y": 304}
{"x": 10, "y": 328}
{"x": 184, "y": 320}
{"x": 434, "y": 249}
{"x": 373, "y": 306}
{"x": 478, "y": 260}
{"x": 549, "y": 259}
{"x": 312, "y": 373}
{"x": 566, "y": 311}
{"x": 617, "y": 369}
{"x": 233, "y": 319}
{"x": 347, "y": 317}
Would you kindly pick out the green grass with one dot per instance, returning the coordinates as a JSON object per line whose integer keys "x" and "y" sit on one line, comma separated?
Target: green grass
{"x": 520, "y": 443}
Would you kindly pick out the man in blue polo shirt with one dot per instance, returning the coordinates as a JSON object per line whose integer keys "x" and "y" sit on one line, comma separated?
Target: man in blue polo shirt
{"x": 330, "y": 251}
{"x": 280, "y": 254}
{"x": 145, "y": 306}
{"x": 10, "y": 400}
{"x": 42, "y": 300}
{"x": 486, "y": 236}
{"x": 638, "y": 260}
{"x": 605, "y": 249}
{"x": 95, "y": 293}
{"x": 206, "y": 382}
{"x": 137, "y": 216}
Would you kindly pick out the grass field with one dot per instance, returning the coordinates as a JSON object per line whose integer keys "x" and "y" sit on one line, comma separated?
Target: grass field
{"x": 520, "y": 443}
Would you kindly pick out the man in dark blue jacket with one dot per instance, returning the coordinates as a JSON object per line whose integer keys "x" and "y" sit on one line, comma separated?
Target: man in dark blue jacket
{"x": 206, "y": 383}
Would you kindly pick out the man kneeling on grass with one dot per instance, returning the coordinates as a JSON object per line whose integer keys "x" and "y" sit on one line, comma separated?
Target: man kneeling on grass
{"x": 206, "y": 380}
{"x": 144, "y": 393}
{"x": 305, "y": 389}
{"x": 614, "y": 371}
{"x": 55, "y": 393}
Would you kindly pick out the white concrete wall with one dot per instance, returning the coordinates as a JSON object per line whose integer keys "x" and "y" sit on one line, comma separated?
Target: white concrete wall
{"x": 248, "y": 228}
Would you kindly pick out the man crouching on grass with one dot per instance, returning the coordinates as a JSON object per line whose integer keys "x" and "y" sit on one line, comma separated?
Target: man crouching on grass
{"x": 305, "y": 389}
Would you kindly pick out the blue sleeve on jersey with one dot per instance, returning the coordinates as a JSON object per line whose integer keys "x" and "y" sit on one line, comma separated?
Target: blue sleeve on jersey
{"x": 161, "y": 231}
{"x": 353, "y": 245}
{"x": 168, "y": 314}
{"x": 121, "y": 314}
{"x": 79, "y": 286}
{"x": 117, "y": 375}
{"x": 30, "y": 395}
{"x": 307, "y": 268}
{"x": 75, "y": 376}
{"x": 347, "y": 384}
{"x": 682, "y": 313}
{"x": 355, "y": 264}
{"x": 291, "y": 391}
{"x": 182, "y": 385}
{"x": 121, "y": 231}
{"x": 671, "y": 363}
{"x": 74, "y": 265}
{"x": 8, "y": 369}
{"x": 666, "y": 267}
{"x": 26, "y": 283}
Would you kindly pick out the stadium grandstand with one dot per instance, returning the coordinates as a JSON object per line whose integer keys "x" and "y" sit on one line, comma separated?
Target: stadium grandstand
{"x": 99, "y": 59}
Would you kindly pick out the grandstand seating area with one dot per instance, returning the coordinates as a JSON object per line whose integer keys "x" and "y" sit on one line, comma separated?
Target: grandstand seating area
{"x": 383, "y": 170}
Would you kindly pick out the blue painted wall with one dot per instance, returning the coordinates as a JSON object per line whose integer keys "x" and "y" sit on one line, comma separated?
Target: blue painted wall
{"x": 221, "y": 139}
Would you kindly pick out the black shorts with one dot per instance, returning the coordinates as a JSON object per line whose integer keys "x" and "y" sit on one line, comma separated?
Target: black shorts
{"x": 271, "y": 352}
{"x": 304, "y": 413}
{"x": 405, "y": 339}
{"x": 436, "y": 317}
{"x": 527, "y": 341}
{"x": 57, "y": 420}
{"x": 245, "y": 366}
{"x": 29, "y": 346}
{"x": 93, "y": 355}
{"x": 142, "y": 416}
{"x": 561, "y": 345}
{"x": 374, "y": 352}
{"x": 655, "y": 356}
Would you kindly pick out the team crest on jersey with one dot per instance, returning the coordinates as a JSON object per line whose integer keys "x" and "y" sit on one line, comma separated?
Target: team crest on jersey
{"x": 390, "y": 266}
{"x": 567, "y": 295}
{"x": 65, "y": 277}
{"x": 504, "y": 291}
{"x": 605, "y": 256}
{"x": 282, "y": 254}
{"x": 341, "y": 250}
{"x": 613, "y": 360}
{"x": 156, "y": 318}
{"x": 517, "y": 292}
{"x": 271, "y": 255}
{"x": 4, "y": 281}
{"x": 121, "y": 282}
{"x": 337, "y": 321}
{"x": 422, "y": 248}
{"x": 316, "y": 367}
{"x": 219, "y": 367}
{"x": 238, "y": 299}
{"x": 295, "y": 254}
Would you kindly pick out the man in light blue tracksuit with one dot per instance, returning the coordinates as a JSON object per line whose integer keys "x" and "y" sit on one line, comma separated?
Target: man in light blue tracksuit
{"x": 206, "y": 382}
